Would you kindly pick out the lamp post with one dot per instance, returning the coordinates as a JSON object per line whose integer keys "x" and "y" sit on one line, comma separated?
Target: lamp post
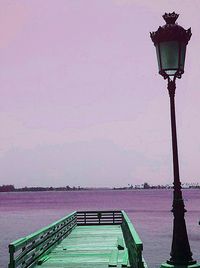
{"x": 170, "y": 41}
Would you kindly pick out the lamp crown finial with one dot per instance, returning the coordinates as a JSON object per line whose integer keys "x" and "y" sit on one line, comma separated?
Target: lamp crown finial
{"x": 170, "y": 18}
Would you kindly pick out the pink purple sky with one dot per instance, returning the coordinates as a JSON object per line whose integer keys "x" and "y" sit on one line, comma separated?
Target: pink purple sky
{"x": 82, "y": 102}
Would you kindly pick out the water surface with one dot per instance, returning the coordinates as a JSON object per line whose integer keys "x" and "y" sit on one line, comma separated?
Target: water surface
{"x": 25, "y": 212}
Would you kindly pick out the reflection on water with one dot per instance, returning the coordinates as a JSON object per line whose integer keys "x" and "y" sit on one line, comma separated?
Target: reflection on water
{"x": 149, "y": 210}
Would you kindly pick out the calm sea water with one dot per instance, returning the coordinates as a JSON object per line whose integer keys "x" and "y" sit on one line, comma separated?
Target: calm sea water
{"x": 149, "y": 210}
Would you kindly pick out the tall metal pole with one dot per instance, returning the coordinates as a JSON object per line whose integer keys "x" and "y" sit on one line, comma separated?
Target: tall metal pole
{"x": 180, "y": 250}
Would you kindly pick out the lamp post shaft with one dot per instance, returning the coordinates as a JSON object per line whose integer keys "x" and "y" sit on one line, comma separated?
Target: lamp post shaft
{"x": 180, "y": 250}
{"x": 171, "y": 89}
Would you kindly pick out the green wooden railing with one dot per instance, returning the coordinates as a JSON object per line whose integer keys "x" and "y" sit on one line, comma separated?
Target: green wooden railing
{"x": 99, "y": 217}
{"x": 26, "y": 252}
{"x": 33, "y": 249}
{"x": 133, "y": 243}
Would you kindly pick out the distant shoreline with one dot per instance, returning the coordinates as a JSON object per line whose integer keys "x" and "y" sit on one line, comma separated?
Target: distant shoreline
{"x": 11, "y": 188}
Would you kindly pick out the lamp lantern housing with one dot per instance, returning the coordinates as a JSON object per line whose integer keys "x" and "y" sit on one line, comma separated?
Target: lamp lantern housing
{"x": 170, "y": 41}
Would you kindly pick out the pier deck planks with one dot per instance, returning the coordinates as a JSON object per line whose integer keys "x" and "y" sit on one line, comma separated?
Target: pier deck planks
{"x": 87, "y": 246}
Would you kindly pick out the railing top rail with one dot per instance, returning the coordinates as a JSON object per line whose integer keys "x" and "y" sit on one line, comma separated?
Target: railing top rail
{"x": 134, "y": 233}
{"x": 100, "y": 211}
{"x": 23, "y": 241}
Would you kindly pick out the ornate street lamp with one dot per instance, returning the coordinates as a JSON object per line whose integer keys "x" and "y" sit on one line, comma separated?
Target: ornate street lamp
{"x": 170, "y": 41}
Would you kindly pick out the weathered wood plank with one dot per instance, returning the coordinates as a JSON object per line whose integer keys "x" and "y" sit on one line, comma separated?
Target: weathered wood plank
{"x": 125, "y": 258}
{"x": 113, "y": 260}
{"x": 87, "y": 246}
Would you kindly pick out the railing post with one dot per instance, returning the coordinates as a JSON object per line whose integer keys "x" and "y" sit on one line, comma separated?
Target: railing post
{"x": 76, "y": 220}
{"x": 85, "y": 217}
{"x": 99, "y": 217}
{"x": 12, "y": 261}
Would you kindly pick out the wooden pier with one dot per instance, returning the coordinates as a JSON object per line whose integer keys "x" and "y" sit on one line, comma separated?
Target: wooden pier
{"x": 97, "y": 239}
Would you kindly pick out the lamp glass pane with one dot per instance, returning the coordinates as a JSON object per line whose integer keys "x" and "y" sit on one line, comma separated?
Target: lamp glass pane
{"x": 158, "y": 56}
{"x": 182, "y": 59}
{"x": 169, "y": 56}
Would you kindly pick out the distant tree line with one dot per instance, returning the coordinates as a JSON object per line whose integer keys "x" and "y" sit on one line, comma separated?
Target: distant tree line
{"x": 145, "y": 185}
{"x": 11, "y": 188}
{"x": 7, "y": 188}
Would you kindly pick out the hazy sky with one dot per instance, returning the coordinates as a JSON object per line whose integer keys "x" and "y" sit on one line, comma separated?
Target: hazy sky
{"x": 82, "y": 102}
